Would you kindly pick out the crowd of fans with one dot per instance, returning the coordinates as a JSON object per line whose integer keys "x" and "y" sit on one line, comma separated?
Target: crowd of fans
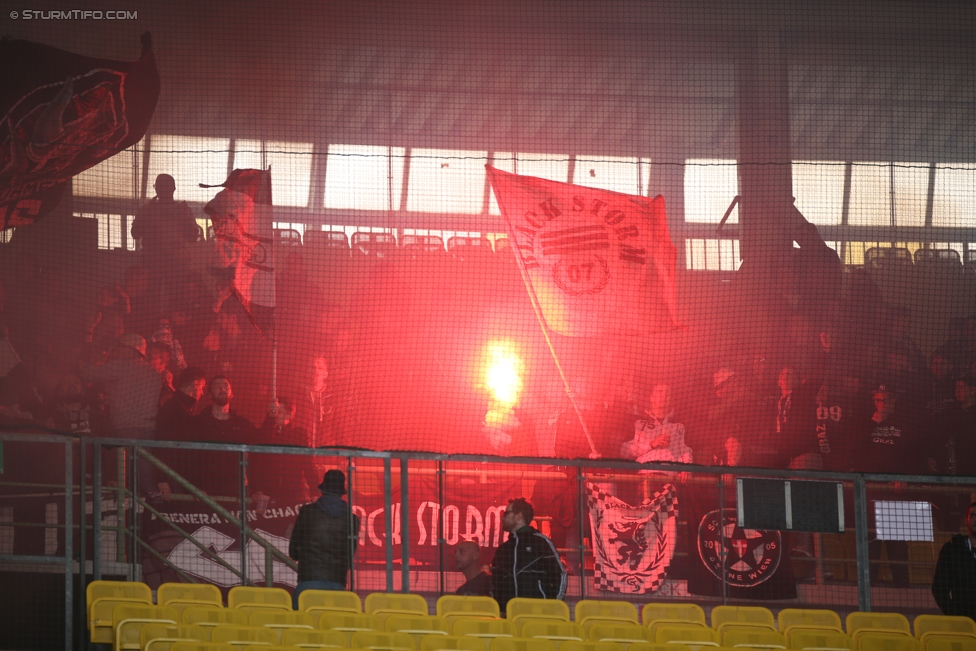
{"x": 168, "y": 353}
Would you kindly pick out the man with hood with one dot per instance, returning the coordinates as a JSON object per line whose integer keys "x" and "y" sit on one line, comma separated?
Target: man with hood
{"x": 324, "y": 539}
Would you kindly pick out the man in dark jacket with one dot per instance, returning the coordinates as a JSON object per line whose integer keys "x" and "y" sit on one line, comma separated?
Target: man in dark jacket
{"x": 527, "y": 564}
{"x": 954, "y": 583}
{"x": 324, "y": 539}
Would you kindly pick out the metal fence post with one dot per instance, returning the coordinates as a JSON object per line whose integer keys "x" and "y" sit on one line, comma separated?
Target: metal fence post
{"x": 441, "y": 540}
{"x": 134, "y": 560}
{"x": 388, "y": 521}
{"x": 97, "y": 512}
{"x": 69, "y": 498}
{"x": 353, "y": 533}
{"x": 582, "y": 531}
{"x": 404, "y": 527}
{"x": 83, "y": 538}
{"x": 861, "y": 538}
{"x": 243, "y": 502}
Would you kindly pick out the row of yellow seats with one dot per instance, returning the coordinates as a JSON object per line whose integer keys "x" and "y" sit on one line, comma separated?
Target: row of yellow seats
{"x": 391, "y": 642}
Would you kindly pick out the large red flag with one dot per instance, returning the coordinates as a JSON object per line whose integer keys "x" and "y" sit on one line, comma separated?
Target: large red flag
{"x": 597, "y": 261}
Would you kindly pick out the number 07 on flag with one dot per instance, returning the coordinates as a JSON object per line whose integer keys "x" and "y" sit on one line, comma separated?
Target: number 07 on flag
{"x": 598, "y": 262}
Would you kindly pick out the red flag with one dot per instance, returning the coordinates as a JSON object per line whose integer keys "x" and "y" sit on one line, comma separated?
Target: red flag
{"x": 242, "y": 216}
{"x": 61, "y": 113}
{"x": 588, "y": 253}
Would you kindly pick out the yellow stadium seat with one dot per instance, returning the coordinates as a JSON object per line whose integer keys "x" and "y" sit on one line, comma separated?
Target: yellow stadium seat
{"x": 183, "y": 595}
{"x": 521, "y": 644}
{"x": 551, "y": 629}
{"x": 483, "y": 629}
{"x": 651, "y": 646}
{"x": 672, "y": 613}
{"x": 755, "y": 616}
{"x": 691, "y": 635}
{"x": 383, "y": 604}
{"x": 252, "y": 597}
{"x": 316, "y": 602}
{"x": 417, "y": 626}
{"x": 279, "y": 619}
{"x": 159, "y": 637}
{"x": 620, "y": 632}
{"x": 884, "y": 641}
{"x": 103, "y": 596}
{"x": 808, "y": 618}
{"x": 186, "y": 645}
{"x": 459, "y": 642}
{"x": 858, "y": 622}
{"x": 240, "y": 636}
{"x": 606, "y": 611}
{"x": 574, "y": 645}
{"x": 349, "y": 622}
{"x": 379, "y": 640}
{"x": 755, "y": 638}
{"x": 210, "y": 616}
{"x": 451, "y": 606}
{"x": 521, "y": 608}
{"x": 128, "y": 620}
{"x": 265, "y": 647}
{"x": 306, "y": 639}
{"x": 943, "y": 625}
{"x": 946, "y": 642}
{"x": 819, "y": 640}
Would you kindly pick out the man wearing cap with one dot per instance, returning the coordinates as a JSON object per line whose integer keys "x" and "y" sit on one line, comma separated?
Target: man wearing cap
{"x": 324, "y": 539}
{"x": 133, "y": 388}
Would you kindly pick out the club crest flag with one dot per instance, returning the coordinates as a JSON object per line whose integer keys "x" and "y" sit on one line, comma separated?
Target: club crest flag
{"x": 632, "y": 545}
{"x": 61, "y": 113}
{"x": 598, "y": 261}
{"x": 243, "y": 216}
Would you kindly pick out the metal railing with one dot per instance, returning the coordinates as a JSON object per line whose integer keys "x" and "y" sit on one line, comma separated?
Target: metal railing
{"x": 418, "y": 481}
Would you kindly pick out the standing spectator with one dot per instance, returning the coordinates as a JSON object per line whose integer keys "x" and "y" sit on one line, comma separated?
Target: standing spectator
{"x": 657, "y": 437}
{"x": 324, "y": 539}
{"x": 315, "y": 410}
{"x": 954, "y": 583}
{"x": 527, "y": 564}
{"x": 941, "y": 386}
{"x": 133, "y": 388}
{"x": 959, "y": 425}
{"x": 220, "y": 423}
{"x": 164, "y": 227}
{"x": 108, "y": 322}
{"x": 467, "y": 560}
{"x": 176, "y": 416}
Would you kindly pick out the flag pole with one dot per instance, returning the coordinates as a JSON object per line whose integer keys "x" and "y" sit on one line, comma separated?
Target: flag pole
{"x": 545, "y": 332}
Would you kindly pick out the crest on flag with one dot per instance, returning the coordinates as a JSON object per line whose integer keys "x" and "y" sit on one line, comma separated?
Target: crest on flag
{"x": 632, "y": 545}
{"x": 741, "y": 557}
{"x": 596, "y": 261}
{"x": 242, "y": 216}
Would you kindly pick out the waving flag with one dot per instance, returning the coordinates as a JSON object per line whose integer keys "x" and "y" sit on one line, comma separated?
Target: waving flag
{"x": 61, "y": 113}
{"x": 242, "y": 216}
{"x": 597, "y": 261}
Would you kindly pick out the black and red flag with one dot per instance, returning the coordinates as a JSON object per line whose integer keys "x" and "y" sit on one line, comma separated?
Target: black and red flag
{"x": 62, "y": 113}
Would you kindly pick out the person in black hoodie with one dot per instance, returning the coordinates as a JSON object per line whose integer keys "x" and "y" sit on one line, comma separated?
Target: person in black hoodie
{"x": 954, "y": 583}
{"x": 527, "y": 564}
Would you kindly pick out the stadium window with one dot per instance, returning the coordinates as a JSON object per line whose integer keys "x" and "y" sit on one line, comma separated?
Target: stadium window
{"x": 444, "y": 235}
{"x": 446, "y": 181}
{"x": 871, "y": 197}
{"x": 710, "y": 185}
{"x": 554, "y": 167}
{"x": 117, "y": 177}
{"x": 712, "y": 255}
{"x": 190, "y": 161}
{"x": 291, "y": 167}
{"x": 627, "y": 175}
{"x": 819, "y": 190}
{"x": 360, "y": 176}
{"x": 130, "y": 242}
{"x": 109, "y": 230}
{"x": 954, "y": 200}
{"x": 349, "y": 230}
{"x": 6, "y": 234}
{"x": 295, "y": 226}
